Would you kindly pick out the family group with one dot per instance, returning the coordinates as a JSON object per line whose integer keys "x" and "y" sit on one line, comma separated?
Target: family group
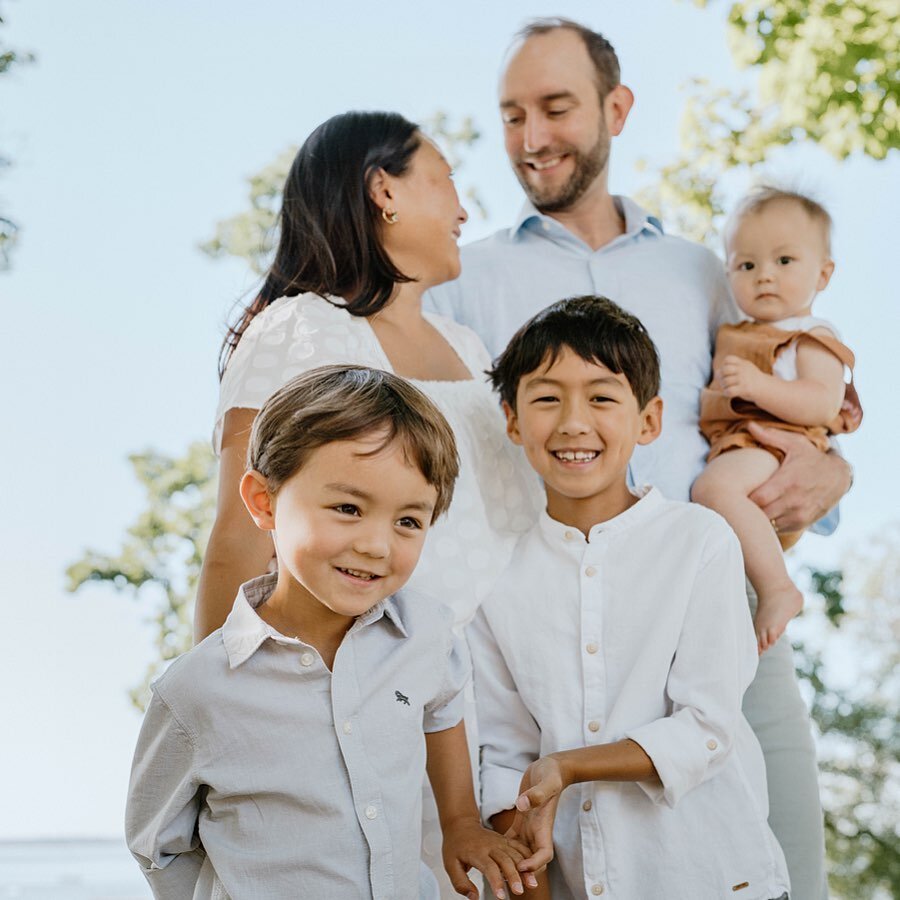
{"x": 474, "y": 610}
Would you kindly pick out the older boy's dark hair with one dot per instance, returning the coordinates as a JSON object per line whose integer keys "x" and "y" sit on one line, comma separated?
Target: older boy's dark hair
{"x": 603, "y": 56}
{"x": 594, "y": 328}
{"x": 343, "y": 403}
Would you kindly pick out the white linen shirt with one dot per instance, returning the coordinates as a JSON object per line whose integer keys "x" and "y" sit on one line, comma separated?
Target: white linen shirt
{"x": 644, "y": 633}
{"x": 261, "y": 774}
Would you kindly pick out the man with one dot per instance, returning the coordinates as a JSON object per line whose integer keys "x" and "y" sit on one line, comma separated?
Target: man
{"x": 562, "y": 103}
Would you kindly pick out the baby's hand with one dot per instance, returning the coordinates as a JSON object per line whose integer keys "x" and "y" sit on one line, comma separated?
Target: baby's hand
{"x": 468, "y": 843}
{"x": 544, "y": 780}
{"x": 739, "y": 377}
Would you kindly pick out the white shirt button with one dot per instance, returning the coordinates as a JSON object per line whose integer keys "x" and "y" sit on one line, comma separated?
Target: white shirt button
{"x": 371, "y": 812}
{"x": 307, "y": 659}
{"x": 711, "y": 744}
{"x": 597, "y": 890}
{"x": 591, "y": 647}
{"x": 593, "y": 725}
{"x": 570, "y": 535}
{"x": 348, "y": 727}
{"x": 590, "y": 571}
{"x": 545, "y": 226}
{"x": 586, "y": 806}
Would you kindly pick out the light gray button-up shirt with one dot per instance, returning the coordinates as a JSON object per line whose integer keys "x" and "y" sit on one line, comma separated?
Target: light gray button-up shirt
{"x": 260, "y": 774}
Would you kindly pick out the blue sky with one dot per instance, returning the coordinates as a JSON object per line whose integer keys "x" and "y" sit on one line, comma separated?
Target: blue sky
{"x": 132, "y": 135}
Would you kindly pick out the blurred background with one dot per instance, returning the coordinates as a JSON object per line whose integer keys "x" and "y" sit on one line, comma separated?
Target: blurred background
{"x": 145, "y": 146}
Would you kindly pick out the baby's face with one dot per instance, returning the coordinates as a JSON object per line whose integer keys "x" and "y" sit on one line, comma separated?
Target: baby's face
{"x": 778, "y": 261}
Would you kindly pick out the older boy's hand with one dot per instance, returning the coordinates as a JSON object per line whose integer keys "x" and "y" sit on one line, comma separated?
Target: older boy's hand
{"x": 544, "y": 780}
{"x": 467, "y": 844}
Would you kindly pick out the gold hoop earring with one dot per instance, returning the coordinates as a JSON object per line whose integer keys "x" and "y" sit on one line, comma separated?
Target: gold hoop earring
{"x": 390, "y": 216}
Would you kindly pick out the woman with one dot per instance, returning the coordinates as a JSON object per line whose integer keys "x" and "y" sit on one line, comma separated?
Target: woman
{"x": 370, "y": 220}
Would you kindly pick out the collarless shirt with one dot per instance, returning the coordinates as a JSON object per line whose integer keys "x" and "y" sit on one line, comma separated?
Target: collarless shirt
{"x": 675, "y": 287}
{"x": 259, "y": 773}
{"x": 577, "y": 648}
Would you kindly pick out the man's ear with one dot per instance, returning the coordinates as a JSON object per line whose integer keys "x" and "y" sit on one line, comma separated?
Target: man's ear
{"x": 616, "y": 106}
{"x": 512, "y": 424}
{"x": 258, "y": 500}
{"x": 825, "y": 274}
{"x": 651, "y": 421}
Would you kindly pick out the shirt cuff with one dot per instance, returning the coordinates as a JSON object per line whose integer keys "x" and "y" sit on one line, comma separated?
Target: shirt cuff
{"x": 178, "y": 879}
{"x": 499, "y": 790}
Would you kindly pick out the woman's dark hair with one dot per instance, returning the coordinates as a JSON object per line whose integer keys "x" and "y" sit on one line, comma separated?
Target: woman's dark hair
{"x": 329, "y": 225}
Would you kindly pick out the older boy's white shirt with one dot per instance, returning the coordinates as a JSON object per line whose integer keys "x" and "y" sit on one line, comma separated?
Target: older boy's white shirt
{"x": 329, "y": 793}
{"x": 643, "y": 632}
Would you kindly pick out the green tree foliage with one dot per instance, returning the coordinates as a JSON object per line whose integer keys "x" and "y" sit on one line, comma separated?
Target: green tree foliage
{"x": 857, "y": 720}
{"x": 9, "y": 58}
{"x": 159, "y": 560}
{"x": 827, "y": 72}
{"x": 251, "y": 235}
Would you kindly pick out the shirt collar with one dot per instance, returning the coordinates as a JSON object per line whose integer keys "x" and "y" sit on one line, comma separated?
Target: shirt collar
{"x": 244, "y": 631}
{"x": 560, "y": 534}
{"x": 637, "y": 219}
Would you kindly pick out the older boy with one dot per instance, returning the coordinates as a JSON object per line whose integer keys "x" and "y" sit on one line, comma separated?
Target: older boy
{"x": 284, "y": 755}
{"x": 618, "y": 641}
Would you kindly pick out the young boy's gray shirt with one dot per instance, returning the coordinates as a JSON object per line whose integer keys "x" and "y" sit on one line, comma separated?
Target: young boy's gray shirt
{"x": 261, "y": 774}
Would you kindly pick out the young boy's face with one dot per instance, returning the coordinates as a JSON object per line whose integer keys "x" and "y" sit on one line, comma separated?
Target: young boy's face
{"x": 578, "y": 423}
{"x": 778, "y": 261}
{"x": 348, "y": 526}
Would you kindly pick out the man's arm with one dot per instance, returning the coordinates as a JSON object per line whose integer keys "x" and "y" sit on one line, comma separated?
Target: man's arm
{"x": 163, "y": 806}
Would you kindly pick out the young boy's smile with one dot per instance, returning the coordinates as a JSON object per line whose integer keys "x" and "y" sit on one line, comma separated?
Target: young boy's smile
{"x": 578, "y": 423}
{"x": 349, "y": 526}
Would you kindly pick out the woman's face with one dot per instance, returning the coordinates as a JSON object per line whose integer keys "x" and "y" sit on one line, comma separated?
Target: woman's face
{"x": 422, "y": 243}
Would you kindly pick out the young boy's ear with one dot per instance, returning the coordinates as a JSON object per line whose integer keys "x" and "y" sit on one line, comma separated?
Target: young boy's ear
{"x": 651, "y": 421}
{"x": 512, "y": 424}
{"x": 258, "y": 500}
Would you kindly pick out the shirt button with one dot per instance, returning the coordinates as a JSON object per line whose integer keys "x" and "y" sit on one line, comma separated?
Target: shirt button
{"x": 307, "y": 659}
{"x": 711, "y": 744}
{"x": 348, "y": 727}
{"x": 597, "y": 890}
{"x": 371, "y": 812}
{"x": 591, "y": 647}
{"x": 545, "y": 226}
{"x": 590, "y": 571}
{"x": 586, "y": 806}
{"x": 593, "y": 725}
{"x": 569, "y": 535}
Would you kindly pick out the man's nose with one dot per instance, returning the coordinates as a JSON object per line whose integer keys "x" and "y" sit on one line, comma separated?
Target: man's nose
{"x": 534, "y": 134}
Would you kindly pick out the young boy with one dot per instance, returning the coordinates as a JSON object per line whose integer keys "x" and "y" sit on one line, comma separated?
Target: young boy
{"x": 284, "y": 755}
{"x": 611, "y": 660}
{"x": 782, "y": 368}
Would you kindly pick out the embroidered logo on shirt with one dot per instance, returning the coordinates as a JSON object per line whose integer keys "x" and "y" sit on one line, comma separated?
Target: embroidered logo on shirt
{"x": 401, "y": 698}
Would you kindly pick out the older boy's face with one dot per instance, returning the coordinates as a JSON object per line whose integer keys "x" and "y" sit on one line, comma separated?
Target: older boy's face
{"x": 349, "y": 527}
{"x": 578, "y": 423}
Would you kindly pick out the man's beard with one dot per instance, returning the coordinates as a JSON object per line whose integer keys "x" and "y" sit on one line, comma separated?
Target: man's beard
{"x": 587, "y": 167}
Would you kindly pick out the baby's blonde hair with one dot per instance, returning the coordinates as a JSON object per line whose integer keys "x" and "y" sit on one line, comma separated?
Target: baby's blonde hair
{"x": 762, "y": 195}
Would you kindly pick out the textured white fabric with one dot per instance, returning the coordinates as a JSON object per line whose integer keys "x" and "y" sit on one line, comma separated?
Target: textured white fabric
{"x": 642, "y": 632}
{"x": 785, "y": 365}
{"x": 497, "y": 495}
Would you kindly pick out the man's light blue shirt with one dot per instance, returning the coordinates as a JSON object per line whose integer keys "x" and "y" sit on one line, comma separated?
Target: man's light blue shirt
{"x": 677, "y": 288}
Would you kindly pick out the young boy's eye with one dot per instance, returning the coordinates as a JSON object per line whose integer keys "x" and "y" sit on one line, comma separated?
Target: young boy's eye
{"x": 546, "y": 399}
{"x": 602, "y": 398}
{"x": 410, "y": 522}
{"x": 347, "y": 509}
{"x": 745, "y": 266}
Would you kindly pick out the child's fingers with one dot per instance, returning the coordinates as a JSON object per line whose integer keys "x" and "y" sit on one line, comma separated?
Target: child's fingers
{"x": 508, "y": 865}
{"x": 534, "y": 797}
{"x": 460, "y": 880}
{"x": 495, "y": 879}
{"x": 538, "y": 861}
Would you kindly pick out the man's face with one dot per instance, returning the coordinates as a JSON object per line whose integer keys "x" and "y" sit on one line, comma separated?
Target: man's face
{"x": 555, "y": 134}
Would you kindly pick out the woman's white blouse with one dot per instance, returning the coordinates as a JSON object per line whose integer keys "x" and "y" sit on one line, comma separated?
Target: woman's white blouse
{"x": 497, "y": 495}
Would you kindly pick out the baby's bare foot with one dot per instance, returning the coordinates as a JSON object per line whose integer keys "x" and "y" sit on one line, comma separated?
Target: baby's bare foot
{"x": 774, "y": 610}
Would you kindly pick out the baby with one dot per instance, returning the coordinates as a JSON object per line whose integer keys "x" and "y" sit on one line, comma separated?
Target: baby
{"x": 784, "y": 368}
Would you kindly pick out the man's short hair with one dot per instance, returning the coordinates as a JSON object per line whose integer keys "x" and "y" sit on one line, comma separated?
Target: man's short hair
{"x": 606, "y": 63}
{"x": 594, "y": 328}
{"x": 344, "y": 403}
{"x": 764, "y": 194}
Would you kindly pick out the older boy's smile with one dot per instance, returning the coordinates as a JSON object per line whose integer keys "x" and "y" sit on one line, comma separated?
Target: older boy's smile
{"x": 578, "y": 422}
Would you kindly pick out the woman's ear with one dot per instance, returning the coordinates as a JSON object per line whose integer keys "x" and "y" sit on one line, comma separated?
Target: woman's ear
{"x": 258, "y": 500}
{"x": 380, "y": 186}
